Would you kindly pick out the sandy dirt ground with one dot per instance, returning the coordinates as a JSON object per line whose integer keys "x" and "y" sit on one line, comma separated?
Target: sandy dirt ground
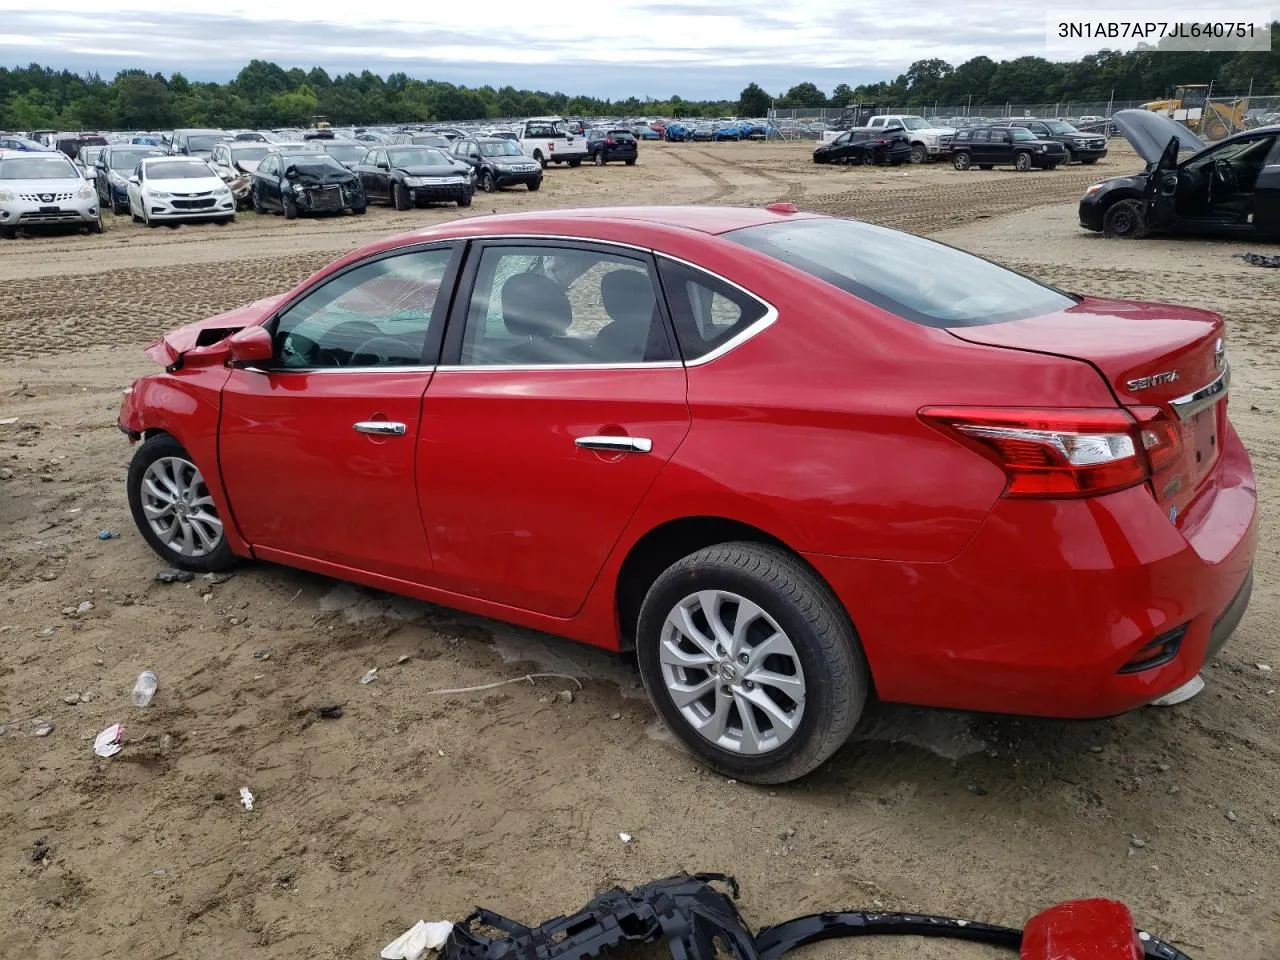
{"x": 419, "y": 805}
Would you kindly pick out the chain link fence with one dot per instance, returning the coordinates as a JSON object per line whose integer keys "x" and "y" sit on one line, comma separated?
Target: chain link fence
{"x": 803, "y": 122}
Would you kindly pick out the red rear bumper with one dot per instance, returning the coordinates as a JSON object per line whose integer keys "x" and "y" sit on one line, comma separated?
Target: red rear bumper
{"x": 1052, "y": 598}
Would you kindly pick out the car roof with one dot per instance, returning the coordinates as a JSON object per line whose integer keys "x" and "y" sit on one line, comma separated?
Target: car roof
{"x": 6, "y": 154}
{"x": 168, "y": 159}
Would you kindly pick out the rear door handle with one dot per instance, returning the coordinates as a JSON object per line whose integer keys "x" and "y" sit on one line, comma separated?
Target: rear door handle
{"x": 616, "y": 444}
{"x": 380, "y": 428}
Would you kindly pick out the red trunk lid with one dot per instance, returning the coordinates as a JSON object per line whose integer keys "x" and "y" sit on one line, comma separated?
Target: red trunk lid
{"x": 1152, "y": 356}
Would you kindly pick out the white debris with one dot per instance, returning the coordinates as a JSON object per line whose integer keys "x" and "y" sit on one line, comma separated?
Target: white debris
{"x": 370, "y": 675}
{"x": 1264, "y": 667}
{"x": 624, "y": 837}
{"x": 107, "y": 743}
{"x": 246, "y": 798}
{"x": 417, "y": 940}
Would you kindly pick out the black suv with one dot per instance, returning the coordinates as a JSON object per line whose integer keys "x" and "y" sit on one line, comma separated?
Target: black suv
{"x": 1088, "y": 148}
{"x": 605, "y": 144}
{"x": 498, "y": 162}
{"x": 987, "y": 147}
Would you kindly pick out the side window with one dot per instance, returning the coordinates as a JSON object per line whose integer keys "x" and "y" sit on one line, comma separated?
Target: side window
{"x": 540, "y": 305}
{"x": 373, "y": 315}
{"x": 980, "y": 136}
{"x": 1006, "y": 136}
{"x": 961, "y": 136}
{"x": 706, "y": 311}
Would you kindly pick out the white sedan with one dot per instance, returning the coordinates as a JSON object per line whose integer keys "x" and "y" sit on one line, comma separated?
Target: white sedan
{"x": 175, "y": 189}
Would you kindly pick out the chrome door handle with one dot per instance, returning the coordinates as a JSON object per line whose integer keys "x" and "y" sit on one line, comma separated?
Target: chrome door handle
{"x": 380, "y": 428}
{"x": 616, "y": 444}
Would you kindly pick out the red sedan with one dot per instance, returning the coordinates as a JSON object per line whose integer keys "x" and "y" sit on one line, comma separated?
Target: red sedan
{"x": 789, "y": 460}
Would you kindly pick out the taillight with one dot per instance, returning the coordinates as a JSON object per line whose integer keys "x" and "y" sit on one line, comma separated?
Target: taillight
{"x": 1161, "y": 438}
{"x": 609, "y": 141}
{"x": 1060, "y": 452}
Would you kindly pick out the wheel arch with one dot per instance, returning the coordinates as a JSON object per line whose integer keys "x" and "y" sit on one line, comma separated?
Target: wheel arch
{"x": 1112, "y": 197}
{"x": 664, "y": 544}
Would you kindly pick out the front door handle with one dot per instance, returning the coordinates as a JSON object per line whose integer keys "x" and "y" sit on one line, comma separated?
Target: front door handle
{"x": 616, "y": 444}
{"x": 380, "y": 428}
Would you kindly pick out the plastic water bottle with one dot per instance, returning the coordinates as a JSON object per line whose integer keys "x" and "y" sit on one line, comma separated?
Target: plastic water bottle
{"x": 145, "y": 688}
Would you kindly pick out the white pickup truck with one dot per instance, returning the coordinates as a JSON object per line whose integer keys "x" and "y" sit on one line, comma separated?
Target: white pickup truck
{"x": 926, "y": 139}
{"x": 546, "y": 140}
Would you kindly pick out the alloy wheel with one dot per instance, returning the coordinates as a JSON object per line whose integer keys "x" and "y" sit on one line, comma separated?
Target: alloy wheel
{"x": 178, "y": 507}
{"x": 732, "y": 672}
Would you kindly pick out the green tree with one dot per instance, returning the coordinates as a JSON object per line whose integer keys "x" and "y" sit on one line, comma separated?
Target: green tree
{"x": 295, "y": 109}
{"x": 142, "y": 103}
{"x": 753, "y": 101}
{"x": 805, "y": 95}
{"x": 842, "y": 95}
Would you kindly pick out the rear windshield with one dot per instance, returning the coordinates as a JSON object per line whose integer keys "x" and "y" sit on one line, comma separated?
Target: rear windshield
{"x": 919, "y": 280}
{"x": 541, "y": 130}
{"x": 38, "y": 168}
{"x": 204, "y": 143}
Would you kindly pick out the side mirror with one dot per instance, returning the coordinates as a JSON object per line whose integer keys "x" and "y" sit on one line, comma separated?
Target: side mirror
{"x": 134, "y": 179}
{"x": 250, "y": 345}
{"x": 383, "y": 165}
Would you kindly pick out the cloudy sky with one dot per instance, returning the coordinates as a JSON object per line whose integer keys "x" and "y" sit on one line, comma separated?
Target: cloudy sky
{"x": 698, "y": 48}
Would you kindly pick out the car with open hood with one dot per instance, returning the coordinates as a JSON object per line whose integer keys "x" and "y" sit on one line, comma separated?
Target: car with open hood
{"x": 413, "y": 176}
{"x": 44, "y": 189}
{"x": 234, "y": 161}
{"x": 1229, "y": 188}
{"x": 763, "y": 450}
{"x": 177, "y": 189}
{"x": 299, "y": 182}
{"x": 497, "y": 162}
{"x": 115, "y": 165}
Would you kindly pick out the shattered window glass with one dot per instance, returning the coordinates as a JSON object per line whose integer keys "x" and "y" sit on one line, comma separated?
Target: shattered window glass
{"x": 374, "y": 315}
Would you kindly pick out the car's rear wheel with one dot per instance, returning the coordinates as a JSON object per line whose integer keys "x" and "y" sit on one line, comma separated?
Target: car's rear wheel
{"x": 173, "y": 509}
{"x": 575, "y": 163}
{"x": 918, "y": 153}
{"x": 960, "y": 161}
{"x": 400, "y": 197}
{"x": 751, "y": 661}
{"x": 542, "y": 161}
{"x": 599, "y": 158}
{"x": 1125, "y": 220}
{"x": 1022, "y": 161}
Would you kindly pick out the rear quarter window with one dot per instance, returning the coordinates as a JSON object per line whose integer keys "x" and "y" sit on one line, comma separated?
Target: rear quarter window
{"x": 707, "y": 312}
{"x": 919, "y": 280}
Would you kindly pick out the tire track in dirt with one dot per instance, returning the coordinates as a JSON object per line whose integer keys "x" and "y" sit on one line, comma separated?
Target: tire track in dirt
{"x": 723, "y": 186}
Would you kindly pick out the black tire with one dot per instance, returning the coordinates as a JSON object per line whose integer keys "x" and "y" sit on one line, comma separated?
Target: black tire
{"x": 255, "y": 200}
{"x": 837, "y": 681}
{"x": 96, "y": 226}
{"x": 631, "y": 162}
{"x": 8, "y": 233}
{"x": 360, "y": 211}
{"x": 542, "y": 161}
{"x": 464, "y": 201}
{"x": 534, "y": 185}
{"x": 599, "y": 158}
{"x": 1125, "y": 220}
{"x": 1071, "y": 157}
{"x": 1090, "y": 161}
{"x": 119, "y": 209}
{"x": 1022, "y": 161}
{"x": 157, "y": 447}
{"x": 1051, "y": 166}
{"x": 961, "y": 161}
{"x": 487, "y": 183}
{"x": 918, "y": 153}
{"x": 400, "y": 197}
{"x": 575, "y": 163}
{"x": 290, "y": 207}
{"x": 868, "y": 158}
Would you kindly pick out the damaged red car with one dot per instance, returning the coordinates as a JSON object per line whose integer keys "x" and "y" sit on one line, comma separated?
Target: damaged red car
{"x": 791, "y": 461}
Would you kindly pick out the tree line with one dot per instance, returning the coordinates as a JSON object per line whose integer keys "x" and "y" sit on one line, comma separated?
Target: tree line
{"x": 266, "y": 95}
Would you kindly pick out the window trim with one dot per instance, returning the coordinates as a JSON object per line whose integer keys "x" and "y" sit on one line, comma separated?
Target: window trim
{"x": 742, "y": 336}
{"x": 435, "y": 326}
{"x": 450, "y": 358}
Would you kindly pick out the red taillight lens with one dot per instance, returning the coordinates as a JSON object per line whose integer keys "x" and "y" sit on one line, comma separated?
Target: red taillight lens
{"x": 609, "y": 141}
{"x": 1161, "y": 437}
{"x": 1051, "y": 453}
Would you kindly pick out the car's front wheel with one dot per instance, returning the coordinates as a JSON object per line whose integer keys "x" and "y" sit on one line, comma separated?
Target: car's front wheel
{"x": 919, "y": 153}
{"x": 400, "y": 197}
{"x": 751, "y": 661}
{"x": 1022, "y": 161}
{"x": 1125, "y": 220}
{"x": 290, "y": 208}
{"x": 487, "y": 183}
{"x": 173, "y": 509}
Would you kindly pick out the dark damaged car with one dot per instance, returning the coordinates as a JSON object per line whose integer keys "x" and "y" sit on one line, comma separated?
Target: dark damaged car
{"x": 1231, "y": 188}
{"x": 295, "y": 183}
{"x": 407, "y": 177}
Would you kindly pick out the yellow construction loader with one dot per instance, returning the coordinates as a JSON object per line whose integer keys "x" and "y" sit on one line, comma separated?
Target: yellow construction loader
{"x": 1210, "y": 119}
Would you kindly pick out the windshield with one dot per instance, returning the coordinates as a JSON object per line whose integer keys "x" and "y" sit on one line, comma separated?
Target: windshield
{"x": 253, "y": 154}
{"x": 312, "y": 161}
{"x": 1022, "y": 133}
{"x": 346, "y": 152}
{"x": 177, "y": 170}
{"x": 418, "y": 157}
{"x": 1060, "y": 126}
{"x": 503, "y": 149}
{"x": 204, "y": 143}
{"x": 128, "y": 159}
{"x": 89, "y": 155}
{"x": 919, "y": 280}
{"x": 38, "y": 168}
{"x": 915, "y": 123}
